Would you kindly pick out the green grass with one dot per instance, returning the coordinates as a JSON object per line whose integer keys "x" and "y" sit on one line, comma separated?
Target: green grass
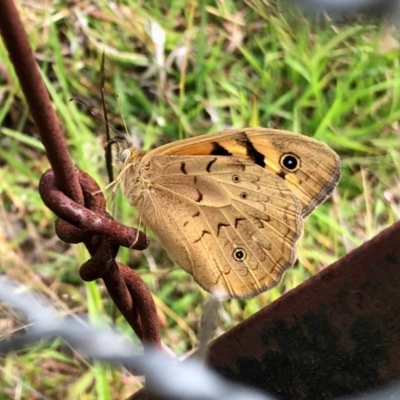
{"x": 229, "y": 64}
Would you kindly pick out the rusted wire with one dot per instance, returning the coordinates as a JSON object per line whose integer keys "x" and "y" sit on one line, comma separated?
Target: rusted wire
{"x": 78, "y": 222}
{"x": 68, "y": 192}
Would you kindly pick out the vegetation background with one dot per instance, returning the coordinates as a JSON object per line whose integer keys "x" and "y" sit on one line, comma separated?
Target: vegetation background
{"x": 175, "y": 70}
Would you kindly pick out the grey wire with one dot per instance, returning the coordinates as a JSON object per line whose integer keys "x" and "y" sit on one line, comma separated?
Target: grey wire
{"x": 348, "y": 9}
{"x": 390, "y": 392}
{"x": 187, "y": 380}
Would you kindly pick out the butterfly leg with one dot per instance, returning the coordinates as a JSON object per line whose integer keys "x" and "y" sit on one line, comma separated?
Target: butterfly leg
{"x": 137, "y": 230}
{"x": 114, "y": 184}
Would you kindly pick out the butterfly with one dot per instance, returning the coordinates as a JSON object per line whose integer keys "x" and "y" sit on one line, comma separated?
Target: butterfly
{"x": 229, "y": 207}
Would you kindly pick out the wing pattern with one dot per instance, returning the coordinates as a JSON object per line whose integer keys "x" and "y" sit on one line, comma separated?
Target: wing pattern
{"x": 230, "y": 223}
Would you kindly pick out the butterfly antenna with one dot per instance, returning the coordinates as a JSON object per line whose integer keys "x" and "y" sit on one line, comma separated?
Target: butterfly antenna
{"x": 95, "y": 113}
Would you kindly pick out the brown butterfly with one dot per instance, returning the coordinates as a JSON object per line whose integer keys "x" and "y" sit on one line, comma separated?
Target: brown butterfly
{"x": 229, "y": 206}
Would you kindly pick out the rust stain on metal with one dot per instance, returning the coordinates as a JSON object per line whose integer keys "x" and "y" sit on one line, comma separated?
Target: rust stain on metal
{"x": 336, "y": 334}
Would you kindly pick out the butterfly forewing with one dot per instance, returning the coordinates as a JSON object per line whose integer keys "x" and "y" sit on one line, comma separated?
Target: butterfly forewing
{"x": 310, "y": 168}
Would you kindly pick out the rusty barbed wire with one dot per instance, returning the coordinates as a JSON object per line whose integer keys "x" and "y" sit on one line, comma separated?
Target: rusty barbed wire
{"x": 79, "y": 222}
{"x": 68, "y": 192}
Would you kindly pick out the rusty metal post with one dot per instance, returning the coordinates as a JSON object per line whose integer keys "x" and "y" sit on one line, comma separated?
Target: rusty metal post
{"x": 338, "y": 333}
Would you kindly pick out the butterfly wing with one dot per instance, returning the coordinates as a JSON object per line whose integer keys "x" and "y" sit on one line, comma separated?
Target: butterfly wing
{"x": 310, "y": 168}
{"x": 229, "y": 223}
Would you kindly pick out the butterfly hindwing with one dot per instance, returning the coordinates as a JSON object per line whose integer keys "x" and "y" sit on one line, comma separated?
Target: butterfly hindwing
{"x": 231, "y": 224}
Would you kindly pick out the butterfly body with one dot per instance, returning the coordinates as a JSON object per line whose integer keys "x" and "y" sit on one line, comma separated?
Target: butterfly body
{"x": 229, "y": 207}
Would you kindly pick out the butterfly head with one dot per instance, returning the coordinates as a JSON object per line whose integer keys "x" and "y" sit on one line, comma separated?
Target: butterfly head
{"x": 122, "y": 145}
